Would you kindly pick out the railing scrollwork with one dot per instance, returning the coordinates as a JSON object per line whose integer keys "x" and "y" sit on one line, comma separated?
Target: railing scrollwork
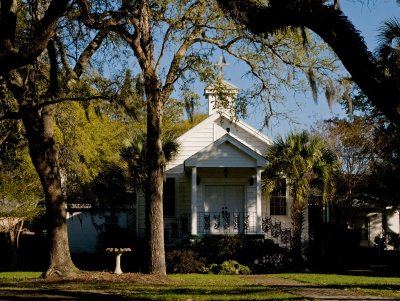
{"x": 278, "y": 231}
{"x": 226, "y": 222}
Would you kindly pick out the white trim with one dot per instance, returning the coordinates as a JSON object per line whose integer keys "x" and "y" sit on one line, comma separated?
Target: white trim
{"x": 241, "y": 124}
{"x": 248, "y": 128}
{"x": 260, "y": 160}
{"x": 228, "y": 85}
{"x": 258, "y": 204}
{"x": 194, "y": 201}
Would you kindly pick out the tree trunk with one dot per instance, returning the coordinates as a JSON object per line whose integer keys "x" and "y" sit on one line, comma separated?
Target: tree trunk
{"x": 44, "y": 155}
{"x": 14, "y": 235}
{"x": 297, "y": 212}
{"x": 154, "y": 189}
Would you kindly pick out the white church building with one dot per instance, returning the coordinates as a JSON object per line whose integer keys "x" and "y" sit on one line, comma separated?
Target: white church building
{"x": 212, "y": 186}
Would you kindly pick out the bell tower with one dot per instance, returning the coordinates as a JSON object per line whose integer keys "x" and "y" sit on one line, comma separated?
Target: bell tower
{"x": 221, "y": 95}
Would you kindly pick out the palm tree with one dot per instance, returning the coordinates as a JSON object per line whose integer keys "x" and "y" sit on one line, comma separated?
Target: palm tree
{"x": 134, "y": 157}
{"x": 388, "y": 51}
{"x": 305, "y": 162}
{"x": 136, "y": 163}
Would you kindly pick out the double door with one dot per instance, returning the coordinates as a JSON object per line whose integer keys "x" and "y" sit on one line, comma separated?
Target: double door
{"x": 224, "y": 208}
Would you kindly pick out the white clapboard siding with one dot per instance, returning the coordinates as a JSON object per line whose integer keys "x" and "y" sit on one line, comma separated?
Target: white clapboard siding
{"x": 210, "y": 130}
{"x": 225, "y": 155}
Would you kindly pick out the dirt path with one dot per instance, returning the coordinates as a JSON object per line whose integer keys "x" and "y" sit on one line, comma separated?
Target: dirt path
{"x": 310, "y": 292}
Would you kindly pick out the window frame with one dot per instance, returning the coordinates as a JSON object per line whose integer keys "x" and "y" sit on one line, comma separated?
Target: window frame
{"x": 278, "y": 200}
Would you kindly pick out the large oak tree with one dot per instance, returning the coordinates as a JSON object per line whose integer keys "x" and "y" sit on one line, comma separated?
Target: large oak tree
{"x": 35, "y": 76}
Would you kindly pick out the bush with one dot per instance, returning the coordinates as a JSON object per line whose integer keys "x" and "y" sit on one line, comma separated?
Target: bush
{"x": 220, "y": 252}
{"x": 261, "y": 255}
{"x": 218, "y": 248}
{"x": 184, "y": 261}
{"x": 229, "y": 267}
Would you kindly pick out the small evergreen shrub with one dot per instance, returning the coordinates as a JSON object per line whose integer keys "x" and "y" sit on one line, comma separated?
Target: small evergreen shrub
{"x": 184, "y": 261}
{"x": 229, "y": 267}
{"x": 218, "y": 248}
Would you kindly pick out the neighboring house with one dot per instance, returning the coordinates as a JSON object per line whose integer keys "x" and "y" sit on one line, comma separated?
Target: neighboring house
{"x": 372, "y": 221}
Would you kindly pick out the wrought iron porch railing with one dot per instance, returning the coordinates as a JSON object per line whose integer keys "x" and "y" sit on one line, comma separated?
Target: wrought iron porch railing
{"x": 276, "y": 230}
{"x": 279, "y": 232}
{"x": 225, "y": 222}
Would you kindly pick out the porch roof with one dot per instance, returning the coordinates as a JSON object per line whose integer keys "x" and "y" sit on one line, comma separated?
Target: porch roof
{"x": 226, "y": 152}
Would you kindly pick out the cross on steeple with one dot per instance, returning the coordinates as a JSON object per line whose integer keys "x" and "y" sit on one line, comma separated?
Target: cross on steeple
{"x": 221, "y": 64}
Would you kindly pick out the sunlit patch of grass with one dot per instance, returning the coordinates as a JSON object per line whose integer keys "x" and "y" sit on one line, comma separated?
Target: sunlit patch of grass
{"x": 19, "y": 275}
{"x": 385, "y": 286}
{"x": 339, "y": 280}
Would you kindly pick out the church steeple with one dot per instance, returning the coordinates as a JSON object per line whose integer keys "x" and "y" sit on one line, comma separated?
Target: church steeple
{"x": 221, "y": 64}
{"x": 222, "y": 94}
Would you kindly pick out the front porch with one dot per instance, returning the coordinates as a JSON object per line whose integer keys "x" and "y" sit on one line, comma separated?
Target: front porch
{"x": 227, "y": 223}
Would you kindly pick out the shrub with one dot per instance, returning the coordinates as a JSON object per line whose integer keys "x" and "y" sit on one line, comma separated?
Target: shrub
{"x": 261, "y": 255}
{"x": 229, "y": 267}
{"x": 257, "y": 255}
{"x": 184, "y": 261}
{"x": 219, "y": 248}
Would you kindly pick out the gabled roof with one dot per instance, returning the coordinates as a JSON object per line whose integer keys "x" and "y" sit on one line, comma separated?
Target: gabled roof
{"x": 197, "y": 127}
{"x": 241, "y": 124}
{"x": 248, "y": 128}
{"x": 227, "y": 84}
{"x": 209, "y": 152}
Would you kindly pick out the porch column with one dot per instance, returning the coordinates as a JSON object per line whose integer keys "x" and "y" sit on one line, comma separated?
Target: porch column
{"x": 258, "y": 205}
{"x": 194, "y": 201}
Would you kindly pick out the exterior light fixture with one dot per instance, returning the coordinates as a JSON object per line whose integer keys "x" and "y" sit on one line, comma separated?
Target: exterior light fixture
{"x": 251, "y": 181}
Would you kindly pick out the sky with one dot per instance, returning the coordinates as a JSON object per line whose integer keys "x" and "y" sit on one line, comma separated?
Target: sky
{"x": 367, "y": 17}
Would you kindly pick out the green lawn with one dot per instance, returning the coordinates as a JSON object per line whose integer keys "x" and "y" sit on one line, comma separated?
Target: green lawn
{"x": 385, "y": 286}
{"x": 142, "y": 287}
{"x": 106, "y": 286}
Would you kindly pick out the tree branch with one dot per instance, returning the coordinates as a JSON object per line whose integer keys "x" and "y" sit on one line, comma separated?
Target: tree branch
{"x": 11, "y": 58}
{"x": 62, "y": 99}
{"x": 336, "y": 30}
{"x": 90, "y": 49}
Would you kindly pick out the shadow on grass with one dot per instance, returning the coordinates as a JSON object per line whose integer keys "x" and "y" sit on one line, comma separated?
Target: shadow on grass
{"x": 54, "y": 294}
{"x": 156, "y": 293}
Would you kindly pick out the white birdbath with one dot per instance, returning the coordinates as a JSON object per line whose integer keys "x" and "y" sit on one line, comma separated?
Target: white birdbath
{"x": 118, "y": 253}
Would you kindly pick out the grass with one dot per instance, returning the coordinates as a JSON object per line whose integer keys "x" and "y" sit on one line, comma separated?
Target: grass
{"x": 107, "y": 286}
{"x": 19, "y": 275}
{"x": 383, "y": 286}
{"x": 20, "y": 286}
